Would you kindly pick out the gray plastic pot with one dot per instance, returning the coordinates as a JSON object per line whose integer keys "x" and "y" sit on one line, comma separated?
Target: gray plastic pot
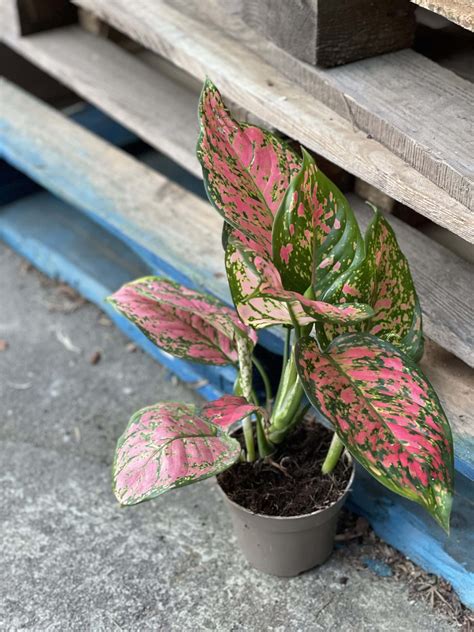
{"x": 287, "y": 546}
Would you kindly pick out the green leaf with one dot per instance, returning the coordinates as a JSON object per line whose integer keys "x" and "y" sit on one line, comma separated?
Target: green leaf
{"x": 315, "y": 237}
{"x": 383, "y": 280}
{"x": 386, "y": 413}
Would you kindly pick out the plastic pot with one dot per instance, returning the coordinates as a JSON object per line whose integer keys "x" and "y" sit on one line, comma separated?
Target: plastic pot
{"x": 287, "y": 546}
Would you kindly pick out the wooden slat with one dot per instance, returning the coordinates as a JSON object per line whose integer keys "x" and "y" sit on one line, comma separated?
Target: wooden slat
{"x": 459, "y": 11}
{"x": 163, "y": 112}
{"x": 9, "y": 19}
{"x": 159, "y": 219}
{"x": 147, "y": 102}
{"x": 203, "y": 49}
{"x": 408, "y": 116}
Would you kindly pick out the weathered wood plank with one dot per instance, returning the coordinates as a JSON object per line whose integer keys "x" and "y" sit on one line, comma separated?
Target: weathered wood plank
{"x": 150, "y": 104}
{"x": 409, "y": 116}
{"x": 9, "y": 20}
{"x": 204, "y": 49}
{"x": 331, "y": 33}
{"x": 459, "y": 11}
{"x": 442, "y": 280}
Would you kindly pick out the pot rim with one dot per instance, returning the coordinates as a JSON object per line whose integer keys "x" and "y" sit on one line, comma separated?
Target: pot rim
{"x": 350, "y": 460}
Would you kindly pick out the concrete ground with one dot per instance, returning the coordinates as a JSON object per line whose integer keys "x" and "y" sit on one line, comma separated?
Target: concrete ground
{"x": 72, "y": 559}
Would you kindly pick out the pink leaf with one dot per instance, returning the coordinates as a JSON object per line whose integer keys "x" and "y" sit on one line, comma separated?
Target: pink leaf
{"x": 181, "y": 321}
{"x": 386, "y": 413}
{"x": 261, "y": 301}
{"x": 167, "y": 446}
{"x": 246, "y": 169}
{"x": 229, "y": 409}
{"x": 315, "y": 234}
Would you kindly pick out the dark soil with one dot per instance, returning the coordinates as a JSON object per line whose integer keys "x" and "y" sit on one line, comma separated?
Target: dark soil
{"x": 290, "y": 483}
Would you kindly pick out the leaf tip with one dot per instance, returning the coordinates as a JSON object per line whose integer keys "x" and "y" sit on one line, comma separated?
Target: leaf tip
{"x": 442, "y": 510}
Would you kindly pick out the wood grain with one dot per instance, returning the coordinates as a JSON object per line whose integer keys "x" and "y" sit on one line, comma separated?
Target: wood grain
{"x": 331, "y": 33}
{"x": 423, "y": 113}
{"x": 203, "y": 49}
{"x": 459, "y": 11}
{"x": 150, "y": 104}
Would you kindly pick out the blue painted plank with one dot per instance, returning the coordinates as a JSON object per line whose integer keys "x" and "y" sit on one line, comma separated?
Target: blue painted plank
{"x": 14, "y": 184}
{"x": 67, "y": 245}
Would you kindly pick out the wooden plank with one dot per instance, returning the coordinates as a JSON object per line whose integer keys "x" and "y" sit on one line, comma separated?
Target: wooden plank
{"x": 204, "y": 49}
{"x": 442, "y": 280}
{"x": 331, "y": 33}
{"x": 459, "y": 11}
{"x": 9, "y": 20}
{"x": 408, "y": 116}
{"x": 148, "y": 102}
{"x": 409, "y": 528}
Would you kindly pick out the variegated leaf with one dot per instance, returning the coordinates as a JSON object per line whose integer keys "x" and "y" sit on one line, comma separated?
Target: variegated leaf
{"x": 183, "y": 322}
{"x": 261, "y": 301}
{"x": 211, "y": 309}
{"x": 386, "y": 413}
{"x": 260, "y": 311}
{"x": 246, "y": 169}
{"x": 167, "y": 446}
{"x": 229, "y": 409}
{"x": 384, "y": 281}
{"x": 315, "y": 234}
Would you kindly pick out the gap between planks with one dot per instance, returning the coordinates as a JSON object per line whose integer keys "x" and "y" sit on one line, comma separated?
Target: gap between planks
{"x": 204, "y": 49}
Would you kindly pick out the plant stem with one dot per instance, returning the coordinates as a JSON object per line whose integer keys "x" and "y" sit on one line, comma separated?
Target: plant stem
{"x": 249, "y": 440}
{"x": 265, "y": 447}
{"x": 332, "y": 457}
{"x": 286, "y": 349}
{"x": 266, "y": 381}
{"x": 288, "y": 400}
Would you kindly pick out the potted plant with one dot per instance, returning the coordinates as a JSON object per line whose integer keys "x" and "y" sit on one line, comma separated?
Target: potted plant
{"x": 295, "y": 258}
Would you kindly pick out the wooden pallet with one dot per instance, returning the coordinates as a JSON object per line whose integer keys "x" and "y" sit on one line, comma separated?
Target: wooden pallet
{"x": 147, "y": 210}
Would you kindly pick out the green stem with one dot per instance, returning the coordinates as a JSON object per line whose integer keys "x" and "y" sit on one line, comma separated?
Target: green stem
{"x": 332, "y": 457}
{"x": 289, "y": 398}
{"x": 266, "y": 381}
{"x": 249, "y": 440}
{"x": 265, "y": 447}
{"x": 286, "y": 349}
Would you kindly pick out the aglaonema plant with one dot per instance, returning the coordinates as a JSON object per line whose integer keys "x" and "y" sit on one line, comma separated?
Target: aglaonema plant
{"x": 295, "y": 257}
